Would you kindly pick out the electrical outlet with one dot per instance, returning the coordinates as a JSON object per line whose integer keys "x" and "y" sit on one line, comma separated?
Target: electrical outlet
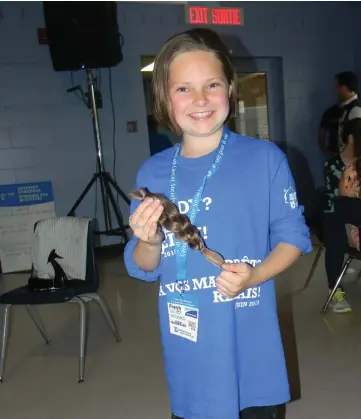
{"x": 132, "y": 126}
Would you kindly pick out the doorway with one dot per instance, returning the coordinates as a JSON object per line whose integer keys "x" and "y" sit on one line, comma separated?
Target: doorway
{"x": 251, "y": 116}
{"x": 260, "y": 111}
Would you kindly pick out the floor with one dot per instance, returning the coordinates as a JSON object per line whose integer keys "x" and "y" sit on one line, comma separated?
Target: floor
{"x": 125, "y": 380}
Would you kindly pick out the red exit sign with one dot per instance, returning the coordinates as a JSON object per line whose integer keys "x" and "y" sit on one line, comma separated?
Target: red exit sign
{"x": 200, "y": 15}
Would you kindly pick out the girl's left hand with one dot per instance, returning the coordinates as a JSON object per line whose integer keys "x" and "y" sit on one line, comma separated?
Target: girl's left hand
{"x": 235, "y": 278}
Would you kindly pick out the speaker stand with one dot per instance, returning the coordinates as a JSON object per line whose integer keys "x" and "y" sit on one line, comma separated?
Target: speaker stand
{"x": 105, "y": 179}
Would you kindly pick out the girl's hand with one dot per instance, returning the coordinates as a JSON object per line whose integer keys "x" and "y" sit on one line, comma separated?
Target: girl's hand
{"x": 143, "y": 221}
{"x": 235, "y": 278}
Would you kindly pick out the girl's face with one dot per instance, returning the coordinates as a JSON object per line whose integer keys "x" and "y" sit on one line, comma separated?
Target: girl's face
{"x": 199, "y": 93}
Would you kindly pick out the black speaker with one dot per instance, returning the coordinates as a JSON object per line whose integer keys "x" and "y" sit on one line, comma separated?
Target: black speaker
{"x": 82, "y": 34}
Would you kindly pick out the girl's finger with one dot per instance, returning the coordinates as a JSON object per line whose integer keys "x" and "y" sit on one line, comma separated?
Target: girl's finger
{"x": 223, "y": 290}
{"x": 148, "y": 214}
{"x": 141, "y": 209}
{"x": 223, "y": 283}
{"x": 155, "y": 236}
{"x": 149, "y": 230}
{"x": 153, "y": 231}
{"x": 157, "y": 213}
{"x": 146, "y": 232}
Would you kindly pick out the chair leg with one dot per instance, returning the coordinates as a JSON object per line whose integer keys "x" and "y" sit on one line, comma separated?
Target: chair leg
{"x": 34, "y": 315}
{"x": 83, "y": 330}
{"x": 107, "y": 314}
{"x": 314, "y": 265}
{"x": 4, "y": 339}
{"x": 344, "y": 269}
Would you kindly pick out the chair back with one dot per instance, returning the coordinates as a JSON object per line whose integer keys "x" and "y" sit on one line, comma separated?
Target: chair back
{"x": 73, "y": 240}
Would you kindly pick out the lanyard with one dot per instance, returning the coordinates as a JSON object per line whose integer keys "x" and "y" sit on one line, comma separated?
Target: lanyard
{"x": 182, "y": 248}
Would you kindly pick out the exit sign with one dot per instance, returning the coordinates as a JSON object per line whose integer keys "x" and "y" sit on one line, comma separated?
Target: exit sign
{"x": 200, "y": 15}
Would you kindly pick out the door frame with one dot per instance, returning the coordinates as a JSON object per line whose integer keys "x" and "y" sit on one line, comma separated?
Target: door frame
{"x": 272, "y": 66}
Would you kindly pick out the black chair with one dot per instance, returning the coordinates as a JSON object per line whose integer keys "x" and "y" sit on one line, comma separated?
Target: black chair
{"x": 316, "y": 227}
{"x": 80, "y": 291}
{"x": 347, "y": 211}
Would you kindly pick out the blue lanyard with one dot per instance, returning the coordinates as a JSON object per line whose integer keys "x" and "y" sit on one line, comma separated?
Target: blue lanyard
{"x": 182, "y": 248}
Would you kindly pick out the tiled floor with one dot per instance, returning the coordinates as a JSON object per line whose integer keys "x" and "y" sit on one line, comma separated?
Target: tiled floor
{"x": 125, "y": 380}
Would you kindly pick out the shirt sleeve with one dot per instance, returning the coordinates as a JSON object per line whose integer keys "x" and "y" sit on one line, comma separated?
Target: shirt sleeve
{"x": 287, "y": 223}
{"x": 130, "y": 265}
{"x": 354, "y": 113}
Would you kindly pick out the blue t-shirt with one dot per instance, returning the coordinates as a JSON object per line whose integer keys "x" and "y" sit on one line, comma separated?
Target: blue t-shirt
{"x": 236, "y": 359}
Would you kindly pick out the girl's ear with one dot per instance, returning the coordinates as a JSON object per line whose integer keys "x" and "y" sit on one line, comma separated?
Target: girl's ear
{"x": 350, "y": 139}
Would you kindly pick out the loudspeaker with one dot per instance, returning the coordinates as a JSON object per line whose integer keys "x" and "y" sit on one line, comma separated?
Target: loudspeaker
{"x": 82, "y": 35}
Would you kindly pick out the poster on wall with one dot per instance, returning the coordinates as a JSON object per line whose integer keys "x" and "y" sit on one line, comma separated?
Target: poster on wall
{"x": 21, "y": 206}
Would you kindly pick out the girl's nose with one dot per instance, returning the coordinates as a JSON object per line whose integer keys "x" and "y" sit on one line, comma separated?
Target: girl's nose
{"x": 200, "y": 97}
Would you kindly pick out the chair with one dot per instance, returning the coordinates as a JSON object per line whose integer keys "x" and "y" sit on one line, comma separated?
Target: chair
{"x": 347, "y": 211}
{"x": 317, "y": 229}
{"x": 80, "y": 291}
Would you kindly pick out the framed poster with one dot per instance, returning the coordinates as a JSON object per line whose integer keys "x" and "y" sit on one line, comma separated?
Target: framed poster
{"x": 21, "y": 206}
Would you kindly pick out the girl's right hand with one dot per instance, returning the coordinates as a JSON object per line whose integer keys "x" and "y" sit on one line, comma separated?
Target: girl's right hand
{"x": 143, "y": 221}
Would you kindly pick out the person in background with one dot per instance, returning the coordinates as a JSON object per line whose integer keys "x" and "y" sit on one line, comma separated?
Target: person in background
{"x": 350, "y": 182}
{"x": 328, "y": 131}
{"x": 157, "y": 141}
{"x": 346, "y": 88}
{"x": 348, "y": 107}
{"x": 341, "y": 179}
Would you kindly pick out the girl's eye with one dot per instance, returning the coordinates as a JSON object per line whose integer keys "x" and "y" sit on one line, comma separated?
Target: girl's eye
{"x": 182, "y": 89}
{"x": 213, "y": 85}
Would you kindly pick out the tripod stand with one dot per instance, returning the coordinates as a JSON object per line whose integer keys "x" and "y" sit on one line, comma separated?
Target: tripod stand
{"x": 105, "y": 179}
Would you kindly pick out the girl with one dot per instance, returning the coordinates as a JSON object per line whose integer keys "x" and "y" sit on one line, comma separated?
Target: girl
{"x": 341, "y": 179}
{"x": 220, "y": 335}
{"x": 350, "y": 184}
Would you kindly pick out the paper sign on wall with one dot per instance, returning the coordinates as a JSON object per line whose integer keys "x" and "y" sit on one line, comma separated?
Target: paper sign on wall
{"x": 21, "y": 206}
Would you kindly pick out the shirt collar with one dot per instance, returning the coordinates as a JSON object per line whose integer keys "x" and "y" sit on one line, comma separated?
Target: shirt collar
{"x": 352, "y": 98}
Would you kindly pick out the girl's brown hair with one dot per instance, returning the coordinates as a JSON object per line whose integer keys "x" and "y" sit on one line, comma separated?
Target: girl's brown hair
{"x": 198, "y": 39}
{"x": 172, "y": 220}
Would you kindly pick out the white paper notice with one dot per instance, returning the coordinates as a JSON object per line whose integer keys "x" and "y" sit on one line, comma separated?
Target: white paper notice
{"x": 21, "y": 206}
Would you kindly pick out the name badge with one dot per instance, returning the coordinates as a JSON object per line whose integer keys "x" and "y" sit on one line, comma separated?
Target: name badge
{"x": 183, "y": 315}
